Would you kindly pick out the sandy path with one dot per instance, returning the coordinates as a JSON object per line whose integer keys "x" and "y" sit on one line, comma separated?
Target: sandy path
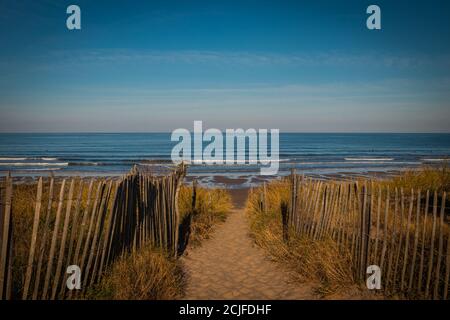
{"x": 231, "y": 266}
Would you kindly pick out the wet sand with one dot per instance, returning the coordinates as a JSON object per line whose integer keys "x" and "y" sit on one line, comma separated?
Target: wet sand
{"x": 239, "y": 197}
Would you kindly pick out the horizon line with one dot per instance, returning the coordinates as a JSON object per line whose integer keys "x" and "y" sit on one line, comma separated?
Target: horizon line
{"x": 281, "y": 132}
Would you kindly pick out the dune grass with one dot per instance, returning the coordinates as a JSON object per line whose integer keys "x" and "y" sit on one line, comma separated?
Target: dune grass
{"x": 313, "y": 261}
{"x": 320, "y": 260}
{"x": 145, "y": 274}
{"x": 211, "y": 207}
{"x": 427, "y": 178}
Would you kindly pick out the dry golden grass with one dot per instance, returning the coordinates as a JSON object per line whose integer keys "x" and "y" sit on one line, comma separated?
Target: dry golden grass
{"x": 211, "y": 207}
{"x": 318, "y": 260}
{"x": 145, "y": 275}
{"x": 425, "y": 178}
{"x": 321, "y": 260}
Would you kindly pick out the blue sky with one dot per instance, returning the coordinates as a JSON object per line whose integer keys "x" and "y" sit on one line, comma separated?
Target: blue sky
{"x": 300, "y": 66}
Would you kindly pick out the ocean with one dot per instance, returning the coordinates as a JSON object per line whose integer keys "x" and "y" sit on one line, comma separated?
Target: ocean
{"x": 25, "y": 154}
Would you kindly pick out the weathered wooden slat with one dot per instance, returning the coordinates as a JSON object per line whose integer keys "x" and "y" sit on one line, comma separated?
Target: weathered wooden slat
{"x": 377, "y": 235}
{"x": 62, "y": 246}
{"x": 332, "y": 214}
{"x": 345, "y": 220}
{"x": 385, "y": 232}
{"x": 358, "y": 206}
{"x": 392, "y": 244}
{"x": 326, "y": 212}
{"x": 116, "y": 212}
{"x": 74, "y": 230}
{"x": 416, "y": 242}
{"x": 34, "y": 232}
{"x": 400, "y": 242}
{"x": 447, "y": 269}
{"x": 95, "y": 228}
{"x": 440, "y": 249}
{"x": 75, "y": 226}
{"x": 108, "y": 235}
{"x": 321, "y": 210}
{"x": 313, "y": 208}
{"x": 54, "y": 239}
{"x": 370, "y": 212}
{"x": 364, "y": 236}
{"x": 100, "y": 232}
{"x": 293, "y": 207}
{"x": 432, "y": 240}
{"x": 406, "y": 251}
{"x": 76, "y": 256}
{"x": 316, "y": 210}
{"x": 44, "y": 239}
{"x": 353, "y": 223}
{"x": 422, "y": 251}
{"x": 6, "y": 244}
{"x": 2, "y": 269}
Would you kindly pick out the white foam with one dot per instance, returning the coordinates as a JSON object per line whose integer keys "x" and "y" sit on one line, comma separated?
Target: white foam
{"x": 40, "y": 169}
{"x": 435, "y": 160}
{"x": 233, "y": 162}
{"x": 369, "y": 159}
{"x": 24, "y": 158}
{"x": 12, "y": 159}
{"x": 31, "y": 164}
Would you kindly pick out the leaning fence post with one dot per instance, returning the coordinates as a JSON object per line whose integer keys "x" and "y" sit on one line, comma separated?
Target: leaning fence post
{"x": 284, "y": 219}
{"x": 194, "y": 195}
{"x": 433, "y": 234}
{"x": 293, "y": 196}
{"x": 447, "y": 269}
{"x": 264, "y": 198}
{"x": 6, "y": 242}
{"x": 33, "y": 240}
{"x": 440, "y": 248}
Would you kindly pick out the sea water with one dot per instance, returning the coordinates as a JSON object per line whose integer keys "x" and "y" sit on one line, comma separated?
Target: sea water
{"x": 310, "y": 153}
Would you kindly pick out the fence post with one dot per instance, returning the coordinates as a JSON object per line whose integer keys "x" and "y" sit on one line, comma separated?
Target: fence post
{"x": 408, "y": 226}
{"x": 53, "y": 243}
{"x": 33, "y": 240}
{"x": 440, "y": 248}
{"x": 368, "y": 217}
{"x": 364, "y": 238}
{"x": 6, "y": 240}
{"x": 264, "y": 198}
{"x": 43, "y": 240}
{"x": 284, "y": 219}
{"x": 293, "y": 197}
{"x": 416, "y": 241}
{"x": 194, "y": 194}
{"x": 433, "y": 233}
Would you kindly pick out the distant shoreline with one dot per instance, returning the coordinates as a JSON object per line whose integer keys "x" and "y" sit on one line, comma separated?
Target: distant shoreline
{"x": 231, "y": 182}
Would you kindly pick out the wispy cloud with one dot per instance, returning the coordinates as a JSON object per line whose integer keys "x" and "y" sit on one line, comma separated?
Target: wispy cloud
{"x": 249, "y": 58}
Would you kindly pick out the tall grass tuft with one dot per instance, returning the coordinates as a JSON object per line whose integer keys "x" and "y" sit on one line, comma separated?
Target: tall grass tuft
{"x": 427, "y": 178}
{"x": 147, "y": 274}
{"x": 211, "y": 207}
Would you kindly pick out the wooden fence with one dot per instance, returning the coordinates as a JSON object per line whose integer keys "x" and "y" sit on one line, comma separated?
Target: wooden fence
{"x": 404, "y": 232}
{"x": 5, "y": 239}
{"x": 88, "y": 224}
